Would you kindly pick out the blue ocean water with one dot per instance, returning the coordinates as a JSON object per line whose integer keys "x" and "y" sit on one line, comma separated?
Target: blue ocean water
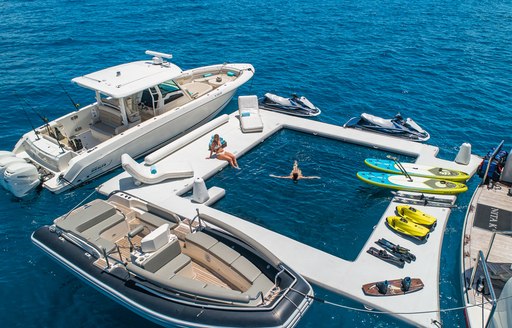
{"x": 446, "y": 64}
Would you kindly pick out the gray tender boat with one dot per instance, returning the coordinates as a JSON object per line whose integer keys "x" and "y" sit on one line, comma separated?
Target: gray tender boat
{"x": 192, "y": 272}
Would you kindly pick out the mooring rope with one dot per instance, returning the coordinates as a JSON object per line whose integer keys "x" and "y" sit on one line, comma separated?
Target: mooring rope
{"x": 79, "y": 204}
{"x": 391, "y": 312}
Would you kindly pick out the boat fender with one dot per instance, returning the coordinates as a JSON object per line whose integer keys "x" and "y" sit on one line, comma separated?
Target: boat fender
{"x": 464, "y": 155}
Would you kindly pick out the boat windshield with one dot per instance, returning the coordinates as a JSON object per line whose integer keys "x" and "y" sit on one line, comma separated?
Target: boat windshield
{"x": 168, "y": 87}
{"x": 110, "y": 102}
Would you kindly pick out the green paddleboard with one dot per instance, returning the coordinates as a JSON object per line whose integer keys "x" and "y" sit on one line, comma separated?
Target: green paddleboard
{"x": 419, "y": 184}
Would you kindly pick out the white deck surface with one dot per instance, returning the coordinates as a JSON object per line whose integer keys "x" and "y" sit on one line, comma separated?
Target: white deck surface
{"x": 330, "y": 272}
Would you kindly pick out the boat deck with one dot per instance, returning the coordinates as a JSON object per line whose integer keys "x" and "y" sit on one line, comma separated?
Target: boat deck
{"x": 490, "y": 209}
{"x": 328, "y": 271}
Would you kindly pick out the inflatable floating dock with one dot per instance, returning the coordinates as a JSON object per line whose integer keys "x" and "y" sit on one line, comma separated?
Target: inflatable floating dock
{"x": 328, "y": 271}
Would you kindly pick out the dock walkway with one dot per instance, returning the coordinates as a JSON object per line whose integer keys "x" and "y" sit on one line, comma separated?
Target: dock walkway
{"x": 328, "y": 271}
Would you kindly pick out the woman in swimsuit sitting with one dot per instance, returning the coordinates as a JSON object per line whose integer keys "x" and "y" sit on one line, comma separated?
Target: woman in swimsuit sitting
{"x": 217, "y": 151}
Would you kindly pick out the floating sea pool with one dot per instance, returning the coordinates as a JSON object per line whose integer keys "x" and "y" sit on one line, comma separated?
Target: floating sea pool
{"x": 335, "y": 213}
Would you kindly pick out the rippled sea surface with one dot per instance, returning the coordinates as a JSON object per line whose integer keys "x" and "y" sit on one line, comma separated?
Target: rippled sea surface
{"x": 448, "y": 65}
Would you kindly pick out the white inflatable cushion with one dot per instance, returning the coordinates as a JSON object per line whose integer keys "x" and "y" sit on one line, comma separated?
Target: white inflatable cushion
{"x": 250, "y": 117}
{"x": 142, "y": 173}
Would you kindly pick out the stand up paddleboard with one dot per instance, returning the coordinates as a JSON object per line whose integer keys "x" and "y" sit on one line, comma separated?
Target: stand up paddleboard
{"x": 419, "y": 184}
{"x": 390, "y": 166}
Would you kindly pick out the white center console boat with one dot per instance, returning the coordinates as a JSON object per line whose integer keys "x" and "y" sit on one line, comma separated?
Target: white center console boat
{"x": 139, "y": 107}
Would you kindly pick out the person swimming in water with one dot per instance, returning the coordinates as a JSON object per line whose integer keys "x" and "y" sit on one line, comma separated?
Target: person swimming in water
{"x": 295, "y": 174}
{"x": 217, "y": 151}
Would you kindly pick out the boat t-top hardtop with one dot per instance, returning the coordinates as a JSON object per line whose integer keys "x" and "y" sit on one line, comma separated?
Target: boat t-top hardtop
{"x": 139, "y": 106}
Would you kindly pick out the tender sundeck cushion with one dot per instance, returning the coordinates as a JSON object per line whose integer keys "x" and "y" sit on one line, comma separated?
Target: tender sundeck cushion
{"x": 97, "y": 229}
{"x": 223, "y": 293}
{"x": 87, "y": 216}
{"x": 246, "y": 268}
{"x": 142, "y": 173}
{"x": 91, "y": 220}
{"x": 250, "y": 117}
{"x": 201, "y": 239}
{"x": 262, "y": 283}
{"x": 175, "y": 265}
{"x": 156, "y": 239}
{"x": 225, "y": 253}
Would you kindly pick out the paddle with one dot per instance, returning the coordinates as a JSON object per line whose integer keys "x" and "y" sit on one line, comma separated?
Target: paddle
{"x": 400, "y": 166}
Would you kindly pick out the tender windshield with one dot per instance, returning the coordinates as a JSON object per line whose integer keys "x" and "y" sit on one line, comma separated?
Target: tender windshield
{"x": 168, "y": 87}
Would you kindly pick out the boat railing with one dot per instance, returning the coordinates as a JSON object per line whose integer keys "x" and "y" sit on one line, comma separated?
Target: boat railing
{"x": 482, "y": 260}
{"x": 491, "y": 243}
{"x": 199, "y": 221}
{"x": 495, "y": 152}
{"x": 277, "y": 275}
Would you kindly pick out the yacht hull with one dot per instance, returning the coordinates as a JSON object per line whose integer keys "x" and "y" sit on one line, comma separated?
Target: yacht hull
{"x": 140, "y": 140}
{"x": 167, "y": 309}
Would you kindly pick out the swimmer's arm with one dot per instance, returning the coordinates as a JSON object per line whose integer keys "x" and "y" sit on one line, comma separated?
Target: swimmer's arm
{"x": 311, "y": 177}
{"x": 280, "y": 176}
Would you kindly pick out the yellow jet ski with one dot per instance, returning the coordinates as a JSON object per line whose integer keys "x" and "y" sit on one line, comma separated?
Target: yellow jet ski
{"x": 416, "y": 216}
{"x": 407, "y": 227}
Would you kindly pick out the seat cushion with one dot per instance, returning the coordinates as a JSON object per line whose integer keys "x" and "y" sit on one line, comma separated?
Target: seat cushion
{"x": 246, "y": 268}
{"x": 225, "y": 253}
{"x": 262, "y": 283}
{"x": 201, "y": 239}
{"x": 152, "y": 219}
{"x": 95, "y": 231}
{"x": 178, "y": 263}
{"x": 87, "y": 216}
